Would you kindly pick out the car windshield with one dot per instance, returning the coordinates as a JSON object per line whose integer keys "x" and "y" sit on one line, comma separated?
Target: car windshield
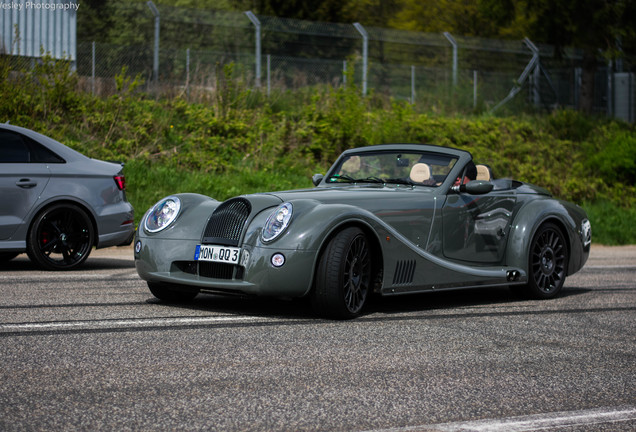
{"x": 411, "y": 168}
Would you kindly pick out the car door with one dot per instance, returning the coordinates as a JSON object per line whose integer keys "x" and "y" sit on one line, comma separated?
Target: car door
{"x": 476, "y": 227}
{"x": 22, "y": 181}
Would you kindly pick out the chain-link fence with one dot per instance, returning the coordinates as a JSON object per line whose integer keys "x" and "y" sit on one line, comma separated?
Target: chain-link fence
{"x": 279, "y": 54}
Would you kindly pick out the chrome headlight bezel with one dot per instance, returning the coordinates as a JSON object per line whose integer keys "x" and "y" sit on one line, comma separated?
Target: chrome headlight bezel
{"x": 162, "y": 214}
{"x": 277, "y": 222}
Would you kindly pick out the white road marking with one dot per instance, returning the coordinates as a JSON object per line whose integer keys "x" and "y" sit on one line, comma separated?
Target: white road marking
{"x": 531, "y": 422}
{"x": 124, "y": 323}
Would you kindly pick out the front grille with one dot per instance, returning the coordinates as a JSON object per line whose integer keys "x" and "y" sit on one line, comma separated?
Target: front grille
{"x": 227, "y": 222}
{"x": 216, "y": 270}
{"x": 211, "y": 270}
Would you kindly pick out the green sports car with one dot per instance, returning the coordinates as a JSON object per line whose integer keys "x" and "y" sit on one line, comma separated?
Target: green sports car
{"x": 388, "y": 219}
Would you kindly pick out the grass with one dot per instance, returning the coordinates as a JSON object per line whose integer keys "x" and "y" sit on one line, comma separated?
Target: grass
{"x": 611, "y": 225}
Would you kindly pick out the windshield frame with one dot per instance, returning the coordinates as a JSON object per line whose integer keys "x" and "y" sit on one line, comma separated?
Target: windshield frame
{"x": 413, "y": 154}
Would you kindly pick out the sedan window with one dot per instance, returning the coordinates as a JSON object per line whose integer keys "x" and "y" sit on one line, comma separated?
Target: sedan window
{"x": 16, "y": 148}
{"x": 13, "y": 149}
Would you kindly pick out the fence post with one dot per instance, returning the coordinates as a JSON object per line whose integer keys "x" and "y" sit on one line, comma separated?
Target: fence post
{"x": 257, "y": 35}
{"x": 452, "y": 41}
{"x": 412, "y": 84}
{"x": 365, "y": 55}
{"x": 269, "y": 63}
{"x": 474, "y": 89}
{"x": 610, "y": 90}
{"x": 344, "y": 73}
{"x": 93, "y": 69}
{"x": 155, "y": 62}
{"x": 536, "y": 72}
{"x": 187, "y": 73}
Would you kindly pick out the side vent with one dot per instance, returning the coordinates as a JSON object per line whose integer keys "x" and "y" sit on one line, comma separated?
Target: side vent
{"x": 404, "y": 272}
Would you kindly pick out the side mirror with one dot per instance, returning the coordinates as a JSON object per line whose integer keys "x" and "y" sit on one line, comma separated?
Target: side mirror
{"x": 317, "y": 178}
{"x": 475, "y": 187}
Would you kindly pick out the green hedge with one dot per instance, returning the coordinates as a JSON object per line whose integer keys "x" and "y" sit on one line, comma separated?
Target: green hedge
{"x": 234, "y": 140}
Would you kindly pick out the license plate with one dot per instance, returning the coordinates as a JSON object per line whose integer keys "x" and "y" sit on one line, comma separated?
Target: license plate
{"x": 222, "y": 254}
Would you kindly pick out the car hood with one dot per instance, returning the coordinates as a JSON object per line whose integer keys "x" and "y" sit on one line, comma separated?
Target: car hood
{"x": 351, "y": 194}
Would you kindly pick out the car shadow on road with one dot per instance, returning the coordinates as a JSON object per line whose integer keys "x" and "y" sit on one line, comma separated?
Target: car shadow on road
{"x": 473, "y": 297}
{"x": 22, "y": 263}
{"x": 377, "y": 307}
{"x": 246, "y": 305}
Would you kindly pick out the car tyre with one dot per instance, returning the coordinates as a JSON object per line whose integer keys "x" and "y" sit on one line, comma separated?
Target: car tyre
{"x": 547, "y": 262}
{"x": 343, "y": 277}
{"x": 60, "y": 238}
{"x": 170, "y": 293}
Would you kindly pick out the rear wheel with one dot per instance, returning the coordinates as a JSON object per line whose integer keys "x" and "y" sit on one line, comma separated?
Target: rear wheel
{"x": 343, "y": 277}
{"x": 60, "y": 238}
{"x": 548, "y": 262}
{"x": 171, "y": 293}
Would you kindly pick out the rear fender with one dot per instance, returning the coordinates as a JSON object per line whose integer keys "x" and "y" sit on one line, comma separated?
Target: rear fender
{"x": 526, "y": 223}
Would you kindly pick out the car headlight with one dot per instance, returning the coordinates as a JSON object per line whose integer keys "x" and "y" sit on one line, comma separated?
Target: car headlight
{"x": 586, "y": 232}
{"x": 162, "y": 214}
{"x": 277, "y": 222}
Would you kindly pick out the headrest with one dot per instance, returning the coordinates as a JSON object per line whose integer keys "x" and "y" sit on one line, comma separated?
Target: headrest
{"x": 483, "y": 173}
{"x": 420, "y": 173}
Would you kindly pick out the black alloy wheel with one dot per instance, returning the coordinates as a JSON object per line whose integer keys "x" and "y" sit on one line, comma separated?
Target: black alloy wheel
{"x": 548, "y": 261}
{"x": 343, "y": 277}
{"x": 60, "y": 238}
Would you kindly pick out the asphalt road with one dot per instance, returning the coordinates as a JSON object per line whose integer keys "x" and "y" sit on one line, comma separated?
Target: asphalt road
{"x": 92, "y": 350}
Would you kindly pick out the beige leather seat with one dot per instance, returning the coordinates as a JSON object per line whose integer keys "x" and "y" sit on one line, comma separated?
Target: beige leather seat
{"x": 483, "y": 173}
{"x": 420, "y": 173}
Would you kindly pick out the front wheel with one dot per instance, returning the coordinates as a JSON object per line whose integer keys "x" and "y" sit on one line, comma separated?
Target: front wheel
{"x": 548, "y": 262}
{"x": 60, "y": 238}
{"x": 343, "y": 277}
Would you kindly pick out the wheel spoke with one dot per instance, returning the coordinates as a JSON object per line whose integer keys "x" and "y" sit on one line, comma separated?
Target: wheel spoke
{"x": 49, "y": 246}
{"x": 548, "y": 260}
{"x": 356, "y": 274}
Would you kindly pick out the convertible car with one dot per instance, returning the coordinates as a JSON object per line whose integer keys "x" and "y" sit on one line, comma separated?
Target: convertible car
{"x": 388, "y": 219}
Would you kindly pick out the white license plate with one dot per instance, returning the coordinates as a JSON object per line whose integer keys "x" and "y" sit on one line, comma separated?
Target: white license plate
{"x": 222, "y": 254}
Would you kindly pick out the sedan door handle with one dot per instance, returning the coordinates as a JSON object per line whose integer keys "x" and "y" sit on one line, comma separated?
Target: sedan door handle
{"x": 26, "y": 183}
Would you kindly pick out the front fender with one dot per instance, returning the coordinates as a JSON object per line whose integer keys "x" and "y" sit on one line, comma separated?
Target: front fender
{"x": 194, "y": 213}
{"x": 311, "y": 225}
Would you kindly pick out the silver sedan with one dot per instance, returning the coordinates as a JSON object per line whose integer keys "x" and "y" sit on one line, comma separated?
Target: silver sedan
{"x": 57, "y": 204}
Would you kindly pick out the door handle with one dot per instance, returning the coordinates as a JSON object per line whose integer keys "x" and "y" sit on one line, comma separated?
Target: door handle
{"x": 26, "y": 183}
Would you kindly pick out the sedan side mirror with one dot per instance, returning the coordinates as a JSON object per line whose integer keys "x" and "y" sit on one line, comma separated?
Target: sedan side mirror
{"x": 475, "y": 187}
{"x": 317, "y": 178}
